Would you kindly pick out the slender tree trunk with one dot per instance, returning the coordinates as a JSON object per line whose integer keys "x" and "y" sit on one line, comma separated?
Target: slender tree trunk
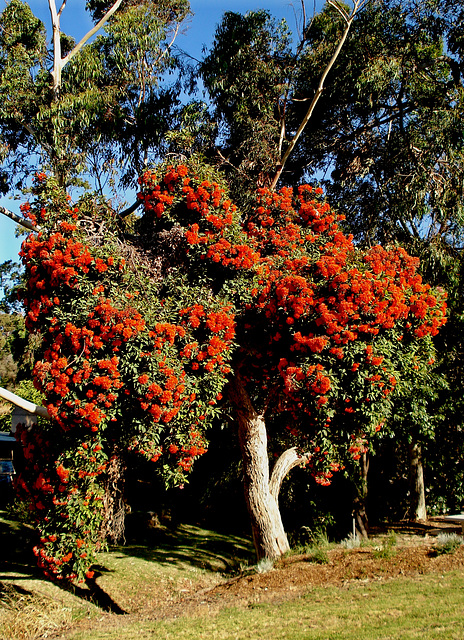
{"x": 348, "y": 18}
{"x": 417, "y": 508}
{"x": 113, "y": 526}
{"x": 360, "y": 502}
{"x": 269, "y": 536}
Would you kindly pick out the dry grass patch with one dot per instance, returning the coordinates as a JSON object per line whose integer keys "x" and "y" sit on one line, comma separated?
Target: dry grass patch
{"x": 29, "y": 616}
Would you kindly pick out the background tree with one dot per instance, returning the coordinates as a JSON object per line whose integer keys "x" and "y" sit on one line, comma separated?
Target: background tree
{"x": 81, "y": 107}
{"x": 251, "y": 73}
{"x": 396, "y": 165}
{"x": 384, "y": 135}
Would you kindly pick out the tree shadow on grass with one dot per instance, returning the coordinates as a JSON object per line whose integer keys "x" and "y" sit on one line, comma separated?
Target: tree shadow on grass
{"x": 18, "y": 563}
{"x": 184, "y": 546}
{"x": 190, "y": 546}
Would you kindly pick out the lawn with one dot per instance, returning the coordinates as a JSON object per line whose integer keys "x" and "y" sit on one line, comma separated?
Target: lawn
{"x": 189, "y": 582}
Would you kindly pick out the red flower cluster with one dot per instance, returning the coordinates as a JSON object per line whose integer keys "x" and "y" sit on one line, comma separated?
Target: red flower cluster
{"x": 207, "y": 216}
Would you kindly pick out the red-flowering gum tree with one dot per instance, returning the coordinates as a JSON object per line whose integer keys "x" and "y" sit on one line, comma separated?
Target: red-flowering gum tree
{"x": 147, "y": 335}
{"x": 324, "y": 333}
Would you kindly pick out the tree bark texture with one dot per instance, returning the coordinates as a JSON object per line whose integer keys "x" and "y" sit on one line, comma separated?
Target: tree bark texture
{"x": 417, "y": 507}
{"x": 269, "y": 536}
{"x": 360, "y": 502}
{"x": 113, "y": 526}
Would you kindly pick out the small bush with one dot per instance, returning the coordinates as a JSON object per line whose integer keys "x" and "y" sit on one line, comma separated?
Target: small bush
{"x": 386, "y": 550}
{"x": 447, "y": 543}
{"x": 264, "y": 565}
{"x": 318, "y": 555}
{"x": 351, "y": 542}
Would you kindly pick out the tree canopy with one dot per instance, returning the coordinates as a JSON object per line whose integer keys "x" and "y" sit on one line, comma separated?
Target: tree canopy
{"x": 229, "y": 298}
{"x": 145, "y": 336}
{"x": 89, "y": 107}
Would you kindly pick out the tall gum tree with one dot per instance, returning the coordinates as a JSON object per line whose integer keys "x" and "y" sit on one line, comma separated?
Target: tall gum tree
{"x": 275, "y": 314}
{"x": 79, "y": 108}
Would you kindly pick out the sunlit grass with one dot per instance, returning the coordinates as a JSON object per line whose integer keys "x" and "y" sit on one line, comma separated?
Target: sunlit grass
{"x": 428, "y": 607}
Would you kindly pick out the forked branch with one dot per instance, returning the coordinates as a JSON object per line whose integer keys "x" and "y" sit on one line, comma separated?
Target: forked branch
{"x": 58, "y": 61}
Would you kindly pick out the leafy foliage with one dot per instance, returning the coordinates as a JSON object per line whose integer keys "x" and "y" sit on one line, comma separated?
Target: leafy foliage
{"x": 108, "y": 98}
{"x": 153, "y": 325}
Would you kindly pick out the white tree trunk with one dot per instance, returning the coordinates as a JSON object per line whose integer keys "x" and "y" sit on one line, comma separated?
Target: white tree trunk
{"x": 269, "y": 536}
{"x": 58, "y": 61}
{"x": 24, "y": 404}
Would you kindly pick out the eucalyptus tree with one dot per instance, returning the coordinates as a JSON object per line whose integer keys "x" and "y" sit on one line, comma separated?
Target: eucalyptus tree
{"x": 251, "y": 74}
{"x": 378, "y": 121}
{"x": 75, "y": 107}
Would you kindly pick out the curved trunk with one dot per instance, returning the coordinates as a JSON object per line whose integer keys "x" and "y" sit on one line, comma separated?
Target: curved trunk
{"x": 285, "y": 463}
{"x": 417, "y": 508}
{"x": 269, "y": 536}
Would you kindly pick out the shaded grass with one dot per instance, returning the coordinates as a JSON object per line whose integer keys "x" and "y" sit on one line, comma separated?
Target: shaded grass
{"x": 402, "y": 609}
{"x": 192, "y": 546}
{"x": 131, "y": 577}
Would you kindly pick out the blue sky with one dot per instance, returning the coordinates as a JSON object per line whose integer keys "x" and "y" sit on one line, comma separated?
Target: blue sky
{"x": 199, "y": 32}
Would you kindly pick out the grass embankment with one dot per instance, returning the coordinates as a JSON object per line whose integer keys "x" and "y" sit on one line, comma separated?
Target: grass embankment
{"x": 160, "y": 584}
{"x": 135, "y": 578}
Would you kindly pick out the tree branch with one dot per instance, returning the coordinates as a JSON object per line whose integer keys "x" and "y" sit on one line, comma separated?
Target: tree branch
{"x": 358, "y": 4}
{"x": 62, "y": 7}
{"x": 18, "y": 219}
{"x": 285, "y": 463}
{"x": 130, "y": 209}
{"x": 24, "y": 404}
{"x": 57, "y": 66}
{"x": 90, "y": 33}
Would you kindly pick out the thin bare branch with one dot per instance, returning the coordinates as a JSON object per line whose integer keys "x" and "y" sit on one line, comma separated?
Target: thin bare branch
{"x": 62, "y": 8}
{"x": 176, "y": 31}
{"x": 90, "y": 33}
{"x": 340, "y": 10}
{"x": 303, "y": 19}
{"x": 358, "y": 5}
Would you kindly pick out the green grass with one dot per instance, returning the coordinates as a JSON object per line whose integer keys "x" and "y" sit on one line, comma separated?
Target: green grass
{"x": 141, "y": 577}
{"x": 170, "y": 561}
{"x": 428, "y": 607}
